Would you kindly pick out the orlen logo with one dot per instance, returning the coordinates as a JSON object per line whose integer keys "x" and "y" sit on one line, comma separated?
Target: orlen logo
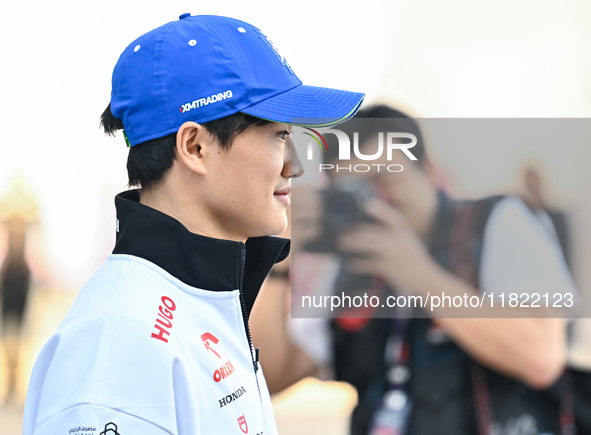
{"x": 224, "y": 371}
{"x": 392, "y": 142}
{"x": 207, "y": 338}
{"x": 205, "y": 101}
{"x": 166, "y": 319}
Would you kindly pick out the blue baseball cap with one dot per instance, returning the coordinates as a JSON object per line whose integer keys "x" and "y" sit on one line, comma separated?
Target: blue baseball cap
{"x": 205, "y": 67}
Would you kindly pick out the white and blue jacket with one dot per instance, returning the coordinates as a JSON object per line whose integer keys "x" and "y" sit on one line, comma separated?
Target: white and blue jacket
{"x": 157, "y": 341}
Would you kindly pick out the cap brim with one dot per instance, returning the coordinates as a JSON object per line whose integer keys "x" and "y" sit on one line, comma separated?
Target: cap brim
{"x": 308, "y": 106}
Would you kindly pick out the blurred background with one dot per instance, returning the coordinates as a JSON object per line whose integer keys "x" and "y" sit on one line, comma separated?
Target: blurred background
{"x": 59, "y": 173}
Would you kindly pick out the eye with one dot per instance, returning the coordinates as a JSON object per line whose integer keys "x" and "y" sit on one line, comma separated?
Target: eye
{"x": 284, "y": 134}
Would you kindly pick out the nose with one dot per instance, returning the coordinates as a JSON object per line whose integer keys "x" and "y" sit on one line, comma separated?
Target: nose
{"x": 292, "y": 166}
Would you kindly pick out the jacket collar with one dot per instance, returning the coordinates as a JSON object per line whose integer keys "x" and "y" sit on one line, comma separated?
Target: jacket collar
{"x": 199, "y": 261}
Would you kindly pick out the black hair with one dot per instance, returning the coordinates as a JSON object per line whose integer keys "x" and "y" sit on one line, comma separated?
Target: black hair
{"x": 148, "y": 161}
{"x": 387, "y": 119}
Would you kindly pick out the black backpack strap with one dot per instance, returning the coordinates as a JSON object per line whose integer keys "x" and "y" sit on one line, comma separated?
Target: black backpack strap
{"x": 560, "y": 223}
{"x": 467, "y": 236}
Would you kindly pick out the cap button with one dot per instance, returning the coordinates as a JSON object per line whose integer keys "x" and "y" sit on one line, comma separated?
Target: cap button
{"x": 184, "y": 15}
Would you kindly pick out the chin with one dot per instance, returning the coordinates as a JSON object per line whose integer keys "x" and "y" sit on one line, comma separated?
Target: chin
{"x": 274, "y": 228}
{"x": 279, "y": 231}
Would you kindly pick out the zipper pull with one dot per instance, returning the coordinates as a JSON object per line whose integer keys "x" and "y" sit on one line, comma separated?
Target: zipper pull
{"x": 256, "y": 359}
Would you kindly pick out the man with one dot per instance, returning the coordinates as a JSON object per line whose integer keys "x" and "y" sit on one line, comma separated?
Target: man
{"x": 157, "y": 342}
{"x": 416, "y": 376}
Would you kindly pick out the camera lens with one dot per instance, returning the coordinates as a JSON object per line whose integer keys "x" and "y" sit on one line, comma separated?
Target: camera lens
{"x": 342, "y": 210}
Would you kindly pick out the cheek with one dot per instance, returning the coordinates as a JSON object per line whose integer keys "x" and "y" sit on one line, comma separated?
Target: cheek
{"x": 398, "y": 188}
{"x": 263, "y": 177}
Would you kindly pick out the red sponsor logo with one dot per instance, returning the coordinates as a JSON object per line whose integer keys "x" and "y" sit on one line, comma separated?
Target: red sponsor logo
{"x": 164, "y": 319}
{"x": 223, "y": 372}
{"x": 242, "y": 424}
{"x": 207, "y": 340}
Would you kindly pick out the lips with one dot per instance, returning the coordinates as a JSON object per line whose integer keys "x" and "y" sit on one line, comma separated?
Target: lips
{"x": 283, "y": 195}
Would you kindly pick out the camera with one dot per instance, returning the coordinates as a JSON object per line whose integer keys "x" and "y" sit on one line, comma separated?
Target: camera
{"x": 343, "y": 208}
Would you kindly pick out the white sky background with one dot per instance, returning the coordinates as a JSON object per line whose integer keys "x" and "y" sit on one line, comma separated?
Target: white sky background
{"x": 436, "y": 59}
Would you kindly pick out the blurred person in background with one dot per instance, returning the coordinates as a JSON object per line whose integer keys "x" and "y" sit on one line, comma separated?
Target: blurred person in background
{"x": 442, "y": 375}
{"x": 18, "y": 211}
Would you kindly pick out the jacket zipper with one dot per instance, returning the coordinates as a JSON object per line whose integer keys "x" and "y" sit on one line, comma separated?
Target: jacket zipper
{"x": 254, "y": 354}
{"x": 243, "y": 306}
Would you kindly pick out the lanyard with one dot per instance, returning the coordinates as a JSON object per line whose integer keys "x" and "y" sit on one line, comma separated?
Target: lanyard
{"x": 392, "y": 415}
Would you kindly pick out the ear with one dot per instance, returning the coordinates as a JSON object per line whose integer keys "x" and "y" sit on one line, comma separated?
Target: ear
{"x": 194, "y": 146}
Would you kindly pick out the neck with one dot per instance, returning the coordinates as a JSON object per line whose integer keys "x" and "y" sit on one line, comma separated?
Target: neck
{"x": 188, "y": 210}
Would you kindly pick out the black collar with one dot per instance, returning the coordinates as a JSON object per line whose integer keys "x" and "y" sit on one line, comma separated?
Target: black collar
{"x": 199, "y": 261}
